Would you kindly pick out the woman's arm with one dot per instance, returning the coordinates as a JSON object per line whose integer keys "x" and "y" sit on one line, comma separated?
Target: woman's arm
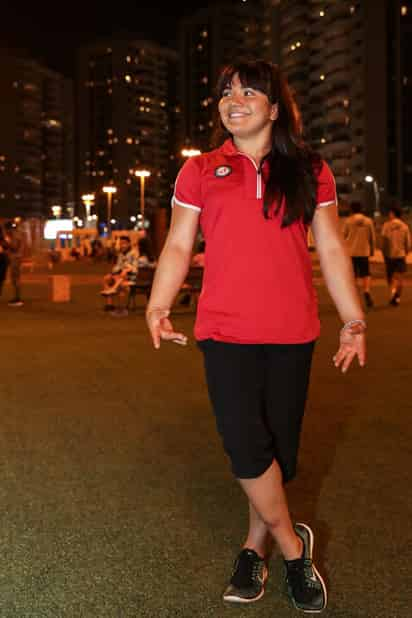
{"x": 170, "y": 274}
{"x": 338, "y": 274}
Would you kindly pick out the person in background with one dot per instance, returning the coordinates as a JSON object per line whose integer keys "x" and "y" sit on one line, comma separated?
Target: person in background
{"x": 15, "y": 253}
{"x": 359, "y": 234}
{"x": 257, "y": 319}
{"x": 396, "y": 244}
{"x": 4, "y": 258}
{"x": 123, "y": 273}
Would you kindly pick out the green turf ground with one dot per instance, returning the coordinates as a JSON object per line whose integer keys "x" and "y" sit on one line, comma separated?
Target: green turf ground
{"x": 117, "y": 501}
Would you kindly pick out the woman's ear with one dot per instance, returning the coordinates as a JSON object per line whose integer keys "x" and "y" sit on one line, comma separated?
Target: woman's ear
{"x": 274, "y": 112}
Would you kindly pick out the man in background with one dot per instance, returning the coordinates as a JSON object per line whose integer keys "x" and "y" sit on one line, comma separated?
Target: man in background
{"x": 359, "y": 234}
{"x": 14, "y": 243}
{"x": 124, "y": 272}
{"x": 396, "y": 244}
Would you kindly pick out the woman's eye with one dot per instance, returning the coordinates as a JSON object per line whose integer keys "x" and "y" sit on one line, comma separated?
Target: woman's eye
{"x": 248, "y": 93}
{"x": 226, "y": 93}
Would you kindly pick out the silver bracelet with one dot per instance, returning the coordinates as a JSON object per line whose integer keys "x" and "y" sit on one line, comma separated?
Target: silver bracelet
{"x": 353, "y": 323}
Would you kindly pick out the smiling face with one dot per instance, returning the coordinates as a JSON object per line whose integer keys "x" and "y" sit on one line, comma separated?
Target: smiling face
{"x": 245, "y": 111}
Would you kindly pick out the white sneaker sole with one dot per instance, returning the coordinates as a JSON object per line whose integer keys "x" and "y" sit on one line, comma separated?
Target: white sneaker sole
{"x": 234, "y": 599}
{"x": 325, "y": 593}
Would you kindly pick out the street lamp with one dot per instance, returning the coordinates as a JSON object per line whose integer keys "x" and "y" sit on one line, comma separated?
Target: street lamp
{"x": 371, "y": 179}
{"x": 190, "y": 152}
{"x": 88, "y": 201}
{"x": 109, "y": 190}
{"x": 142, "y": 174}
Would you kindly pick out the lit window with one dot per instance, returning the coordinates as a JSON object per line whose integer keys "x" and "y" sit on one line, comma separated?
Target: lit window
{"x": 322, "y": 14}
{"x": 322, "y": 77}
{"x": 148, "y": 109}
{"x": 200, "y": 47}
{"x": 162, "y": 104}
{"x": 110, "y": 131}
{"x": 147, "y": 99}
{"x": 352, "y": 10}
{"x": 141, "y": 108}
{"x": 129, "y": 140}
{"x": 205, "y": 80}
{"x": 128, "y": 78}
{"x": 404, "y": 10}
{"x": 128, "y": 59}
{"x": 323, "y": 140}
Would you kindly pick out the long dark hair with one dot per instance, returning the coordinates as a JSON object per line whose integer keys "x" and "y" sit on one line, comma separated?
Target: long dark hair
{"x": 293, "y": 164}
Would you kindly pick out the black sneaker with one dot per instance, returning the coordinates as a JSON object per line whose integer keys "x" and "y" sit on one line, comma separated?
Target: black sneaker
{"x": 368, "y": 300}
{"x": 247, "y": 583}
{"x": 306, "y": 588}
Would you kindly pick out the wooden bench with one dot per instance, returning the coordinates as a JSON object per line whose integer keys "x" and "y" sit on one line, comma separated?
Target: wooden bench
{"x": 192, "y": 284}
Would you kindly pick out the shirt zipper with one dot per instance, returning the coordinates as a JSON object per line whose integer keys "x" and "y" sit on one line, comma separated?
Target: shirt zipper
{"x": 258, "y": 175}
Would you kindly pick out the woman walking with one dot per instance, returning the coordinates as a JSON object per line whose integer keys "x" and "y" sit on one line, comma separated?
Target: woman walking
{"x": 257, "y": 320}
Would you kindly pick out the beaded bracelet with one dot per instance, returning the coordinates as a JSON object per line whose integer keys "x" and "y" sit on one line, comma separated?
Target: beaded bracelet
{"x": 353, "y": 323}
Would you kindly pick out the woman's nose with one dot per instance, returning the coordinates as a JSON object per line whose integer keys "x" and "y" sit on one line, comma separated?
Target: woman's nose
{"x": 238, "y": 98}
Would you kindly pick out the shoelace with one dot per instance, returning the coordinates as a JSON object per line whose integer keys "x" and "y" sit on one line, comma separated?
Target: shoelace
{"x": 299, "y": 568}
{"x": 246, "y": 568}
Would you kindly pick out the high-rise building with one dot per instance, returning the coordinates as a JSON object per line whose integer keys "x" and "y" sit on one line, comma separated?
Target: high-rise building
{"x": 399, "y": 75}
{"x": 127, "y": 120}
{"x": 37, "y": 143}
{"x": 349, "y": 63}
{"x": 208, "y": 40}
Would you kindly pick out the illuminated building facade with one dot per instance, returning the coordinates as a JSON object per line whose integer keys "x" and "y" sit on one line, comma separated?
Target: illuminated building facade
{"x": 127, "y": 120}
{"x": 210, "y": 39}
{"x": 350, "y": 64}
{"x": 37, "y": 141}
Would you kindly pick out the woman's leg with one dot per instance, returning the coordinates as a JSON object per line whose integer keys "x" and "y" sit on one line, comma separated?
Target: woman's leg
{"x": 271, "y": 514}
{"x": 258, "y": 538}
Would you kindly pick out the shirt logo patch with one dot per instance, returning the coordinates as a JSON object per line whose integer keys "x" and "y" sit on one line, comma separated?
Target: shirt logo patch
{"x": 223, "y": 170}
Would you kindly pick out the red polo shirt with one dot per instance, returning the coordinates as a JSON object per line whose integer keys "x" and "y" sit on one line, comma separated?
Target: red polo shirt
{"x": 257, "y": 284}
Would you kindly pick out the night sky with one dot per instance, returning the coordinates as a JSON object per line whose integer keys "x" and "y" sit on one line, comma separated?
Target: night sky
{"x": 53, "y": 34}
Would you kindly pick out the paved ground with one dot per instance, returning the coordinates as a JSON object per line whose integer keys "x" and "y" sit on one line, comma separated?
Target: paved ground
{"x": 116, "y": 499}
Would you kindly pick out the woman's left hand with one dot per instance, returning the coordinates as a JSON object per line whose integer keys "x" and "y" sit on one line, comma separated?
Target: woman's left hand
{"x": 352, "y": 343}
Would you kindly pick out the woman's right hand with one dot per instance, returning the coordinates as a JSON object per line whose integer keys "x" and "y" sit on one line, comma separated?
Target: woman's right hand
{"x": 160, "y": 327}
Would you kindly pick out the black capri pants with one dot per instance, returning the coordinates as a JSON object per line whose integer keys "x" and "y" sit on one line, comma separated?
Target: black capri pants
{"x": 258, "y": 394}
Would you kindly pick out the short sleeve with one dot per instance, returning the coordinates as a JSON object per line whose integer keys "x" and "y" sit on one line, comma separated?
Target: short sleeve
{"x": 187, "y": 191}
{"x": 326, "y": 194}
